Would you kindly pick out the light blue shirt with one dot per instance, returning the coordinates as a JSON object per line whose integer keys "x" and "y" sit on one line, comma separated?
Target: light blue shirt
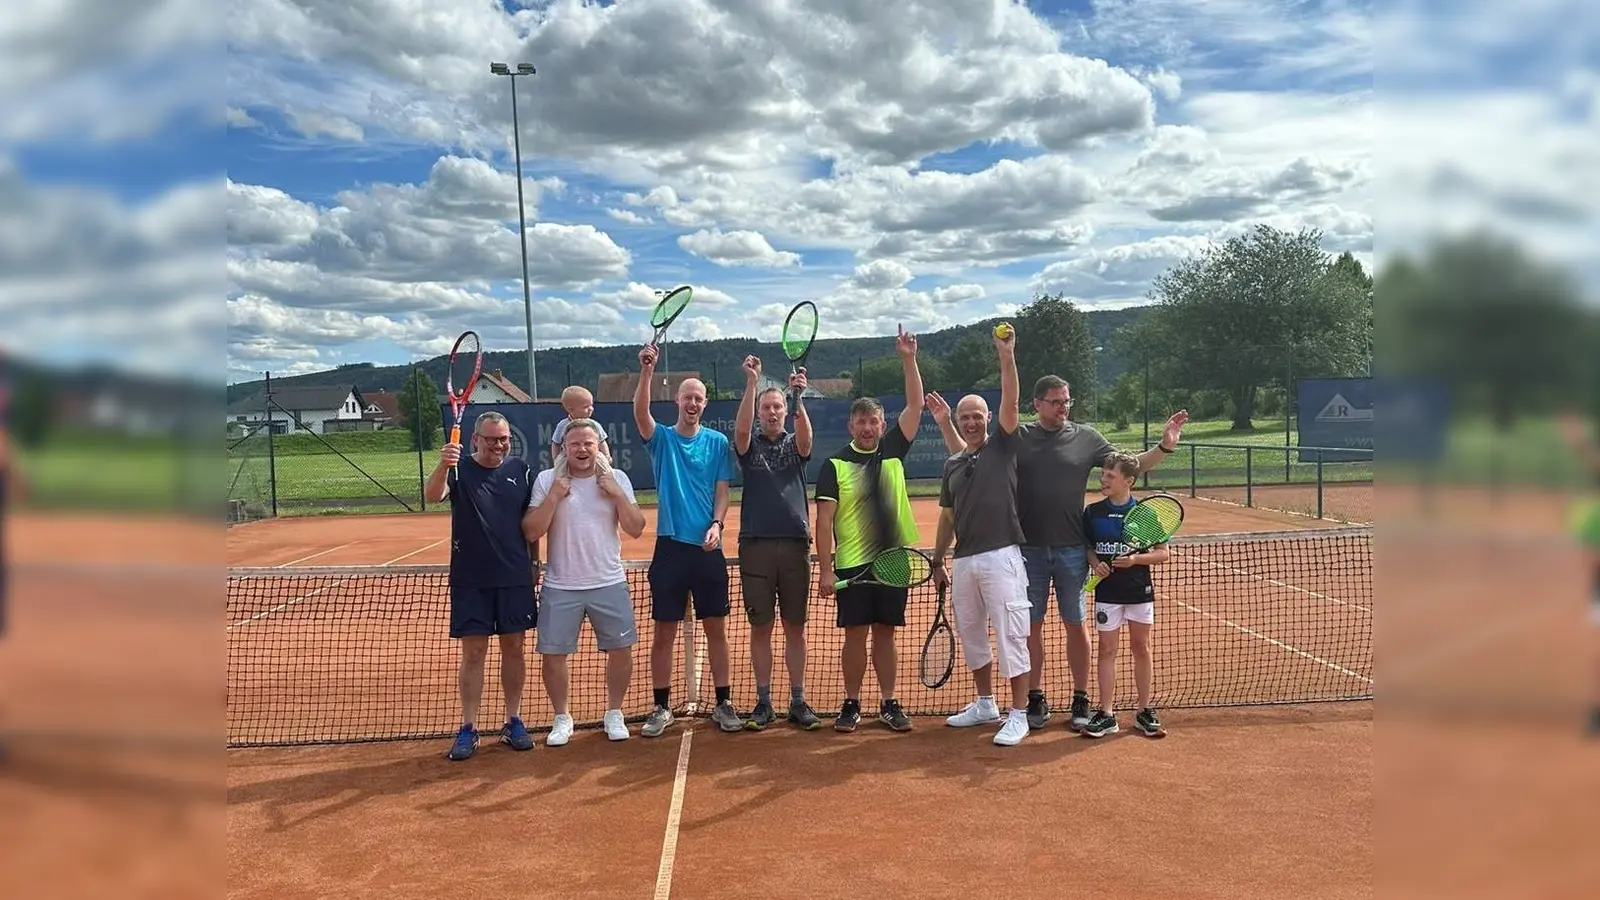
{"x": 687, "y": 471}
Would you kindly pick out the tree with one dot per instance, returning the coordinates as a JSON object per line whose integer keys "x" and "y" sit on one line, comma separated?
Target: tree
{"x": 971, "y": 362}
{"x": 1053, "y": 339}
{"x": 1505, "y": 332}
{"x": 884, "y": 377}
{"x": 419, "y": 385}
{"x": 31, "y": 409}
{"x": 1243, "y": 314}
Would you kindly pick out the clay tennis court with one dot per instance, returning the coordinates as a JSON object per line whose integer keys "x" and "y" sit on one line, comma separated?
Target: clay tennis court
{"x": 782, "y": 813}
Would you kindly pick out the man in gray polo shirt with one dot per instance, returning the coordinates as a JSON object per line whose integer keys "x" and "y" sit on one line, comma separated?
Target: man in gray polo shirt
{"x": 774, "y": 538}
{"x": 978, "y": 511}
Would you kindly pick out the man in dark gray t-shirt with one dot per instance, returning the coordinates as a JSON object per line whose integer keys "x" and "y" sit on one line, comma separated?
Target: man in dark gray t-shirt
{"x": 978, "y": 511}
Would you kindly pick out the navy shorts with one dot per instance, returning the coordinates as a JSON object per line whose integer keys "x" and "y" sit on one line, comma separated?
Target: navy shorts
{"x": 867, "y": 603}
{"x": 678, "y": 570}
{"x": 482, "y": 611}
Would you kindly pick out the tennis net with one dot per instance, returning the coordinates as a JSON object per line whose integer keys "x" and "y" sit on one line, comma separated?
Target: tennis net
{"x": 332, "y": 655}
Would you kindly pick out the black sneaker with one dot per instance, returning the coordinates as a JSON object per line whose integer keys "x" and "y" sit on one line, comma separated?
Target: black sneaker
{"x": 1038, "y": 710}
{"x": 893, "y": 716}
{"x": 849, "y": 716}
{"x": 1101, "y": 725}
{"x": 801, "y": 714}
{"x": 1080, "y": 711}
{"x": 760, "y": 717}
{"x": 1594, "y": 723}
{"x": 1147, "y": 723}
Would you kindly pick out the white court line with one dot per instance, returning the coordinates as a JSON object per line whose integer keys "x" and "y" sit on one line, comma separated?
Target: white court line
{"x": 669, "y": 843}
{"x": 288, "y": 603}
{"x": 295, "y": 562}
{"x": 1273, "y": 581}
{"x": 1273, "y": 641}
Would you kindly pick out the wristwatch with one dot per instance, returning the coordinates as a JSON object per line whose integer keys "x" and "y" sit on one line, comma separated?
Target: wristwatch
{"x": 717, "y": 522}
{"x": 1163, "y": 448}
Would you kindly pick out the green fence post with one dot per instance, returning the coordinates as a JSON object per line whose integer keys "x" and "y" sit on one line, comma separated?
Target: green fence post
{"x": 1194, "y": 471}
{"x": 1249, "y": 477}
{"x": 1319, "y": 482}
{"x": 416, "y": 426}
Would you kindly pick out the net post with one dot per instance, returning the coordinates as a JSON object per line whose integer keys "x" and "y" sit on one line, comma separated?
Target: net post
{"x": 1319, "y": 482}
{"x": 1249, "y": 477}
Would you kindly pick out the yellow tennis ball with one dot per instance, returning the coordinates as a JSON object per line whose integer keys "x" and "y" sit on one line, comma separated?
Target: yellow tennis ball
{"x": 1003, "y": 330}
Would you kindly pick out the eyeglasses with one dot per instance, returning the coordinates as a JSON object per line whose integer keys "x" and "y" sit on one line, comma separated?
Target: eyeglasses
{"x": 506, "y": 439}
{"x": 1058, "y": 404}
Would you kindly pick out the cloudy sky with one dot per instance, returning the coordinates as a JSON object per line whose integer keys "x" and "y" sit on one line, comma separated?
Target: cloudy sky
{"x": 928, "y": 162}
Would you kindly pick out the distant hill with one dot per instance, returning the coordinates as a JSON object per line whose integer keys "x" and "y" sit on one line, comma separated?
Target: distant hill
{"x": 713, "y": 359}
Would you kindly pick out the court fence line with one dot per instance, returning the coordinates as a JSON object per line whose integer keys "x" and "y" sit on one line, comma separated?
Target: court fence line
{"x": 344, "y": 654}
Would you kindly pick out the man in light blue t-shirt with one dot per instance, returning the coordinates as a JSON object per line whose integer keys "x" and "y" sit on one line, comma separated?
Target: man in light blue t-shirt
{"x": 693, "y": 467}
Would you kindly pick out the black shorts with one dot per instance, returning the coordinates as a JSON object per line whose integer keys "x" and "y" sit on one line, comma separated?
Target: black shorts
{"x": 678, "y": 570}
{"x": 482, "y": 611}
{"x": 869, "y": 604}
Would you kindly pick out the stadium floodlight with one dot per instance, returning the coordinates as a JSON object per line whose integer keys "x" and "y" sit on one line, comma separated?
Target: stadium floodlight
{"x": 500, "y": 68}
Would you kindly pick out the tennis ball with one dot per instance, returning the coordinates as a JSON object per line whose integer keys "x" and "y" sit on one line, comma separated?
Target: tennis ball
{"x": 1003, "y": 330}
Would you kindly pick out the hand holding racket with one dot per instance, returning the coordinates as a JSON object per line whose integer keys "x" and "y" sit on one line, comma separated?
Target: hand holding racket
{"x": 939, "y": 649}
{"x": 1151, "y": 521}
{"x": 466, "y": 364}
{"x": 667, "y": 311}
{"x": 899, "y": 567}
{"x": 799, "y": 332}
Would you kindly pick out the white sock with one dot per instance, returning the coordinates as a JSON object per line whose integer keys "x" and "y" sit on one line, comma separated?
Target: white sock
{"x": 1018, "y": 713}
{"x": 986, "y": 701}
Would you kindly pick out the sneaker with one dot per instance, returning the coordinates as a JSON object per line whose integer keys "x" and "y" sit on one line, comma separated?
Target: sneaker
{"x": 761, "y": 716}
{"x": 802, "y": 715}
{"x": 560, "y": 732}
{"x": 981, "y": 711}
{"x": 659, "y": 720}
{"x": 726, "y": 717}
{"x": 515, "y": 735}
{"x": 893, "y": 716}
{"x": 1147, "y": 722}
{"x": 616, "y": 727}
{"x": 849, "y": 716}
{"x": 1594, "y": 723}
{"x": 466, "y": 743}
{"x": 1015, "y": 729}
{"x": 1101, "y": 725}
{"x": 1080, "y": 711}
{"x": 1038, "y": 711}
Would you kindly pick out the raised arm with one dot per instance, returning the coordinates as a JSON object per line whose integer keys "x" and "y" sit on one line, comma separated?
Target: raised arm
{"x": 947, "y": 427}
{"x": 911, "y": 417}
{"x": 1010, "y": 397}
{"x": 641, "y": 394}
{"x": 802, "y": 419}
{"x": 1153, "y": 457}
{"x": 747, "y": 406}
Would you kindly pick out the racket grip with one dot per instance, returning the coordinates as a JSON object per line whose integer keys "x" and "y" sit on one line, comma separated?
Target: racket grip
{"x": 841, "y": 584}
{"x": 1090, "y": 582}
{"x": 455, "y": 437}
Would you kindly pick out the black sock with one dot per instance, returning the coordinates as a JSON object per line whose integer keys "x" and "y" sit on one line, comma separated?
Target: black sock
{"x": 724, "y": 694}
{"x": 797, "y": 694}
{"x": 661, "y": 697}
{"x": 1035, "y": 694}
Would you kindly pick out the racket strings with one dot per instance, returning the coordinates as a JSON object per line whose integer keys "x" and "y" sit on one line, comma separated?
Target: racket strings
{"x": 799, "y": 331}
{"x": 669, "y": 307}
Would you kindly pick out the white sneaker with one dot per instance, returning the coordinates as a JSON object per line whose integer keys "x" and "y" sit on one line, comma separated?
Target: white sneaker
{"x": 616, "y": 729}
{"x": 560, "y": 732}
{"x": 981, "y": 711}
{"x": 1015, "y": 729}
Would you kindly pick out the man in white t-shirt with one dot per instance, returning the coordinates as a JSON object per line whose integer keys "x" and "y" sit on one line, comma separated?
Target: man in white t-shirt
{"x": 580, "y": 504}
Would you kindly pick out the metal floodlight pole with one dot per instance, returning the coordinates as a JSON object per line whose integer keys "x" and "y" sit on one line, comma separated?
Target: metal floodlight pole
{"x": 522, "y": 230}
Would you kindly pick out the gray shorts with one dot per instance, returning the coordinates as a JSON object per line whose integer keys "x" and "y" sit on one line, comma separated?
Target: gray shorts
{"x": 610, "y": 612}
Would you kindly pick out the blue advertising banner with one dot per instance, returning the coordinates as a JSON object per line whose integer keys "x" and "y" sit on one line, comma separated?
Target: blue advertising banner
{"x": 1416, "y": 419}
{"x": 1335, "y": 413}
{"x": 533, "y": 424}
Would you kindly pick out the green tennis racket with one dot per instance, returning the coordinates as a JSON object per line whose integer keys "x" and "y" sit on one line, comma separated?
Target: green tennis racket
{"x": 667, "y": 310}
{"x": 899, "y": 567}
{"x": 799, "y": 331}
{"x": 1151, "y": 521}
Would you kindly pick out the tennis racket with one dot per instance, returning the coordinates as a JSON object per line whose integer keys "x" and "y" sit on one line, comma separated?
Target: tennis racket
{"x": 939, "y": 650}
{"x": 1151, "y": 521}
{"x": 799, "y": 331}
{"x": 667, "y": 310}
{"x": 466, "y": 364}
{"x": 899, "y": 567}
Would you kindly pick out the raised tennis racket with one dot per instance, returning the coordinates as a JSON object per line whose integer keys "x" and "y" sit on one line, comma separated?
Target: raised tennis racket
{"x": 1151, "y": 521}
{"x": 900, "y": 567}
{"x": 799, "y": 331}
{"x": 668, "y": 309}
{"x": 938, "y": 650}
{"x": 466, "y": 364}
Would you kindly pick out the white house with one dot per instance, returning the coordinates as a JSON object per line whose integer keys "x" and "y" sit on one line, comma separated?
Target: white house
{"x": 320, "y": 410}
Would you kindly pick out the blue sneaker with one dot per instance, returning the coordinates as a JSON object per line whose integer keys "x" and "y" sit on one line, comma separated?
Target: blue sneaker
{"x": 466, "y": 743}
{"x": 516, "y": 736}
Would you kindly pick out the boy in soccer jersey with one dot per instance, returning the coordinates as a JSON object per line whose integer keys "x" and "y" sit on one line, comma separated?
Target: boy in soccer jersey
{"x": 1126, "y": 594}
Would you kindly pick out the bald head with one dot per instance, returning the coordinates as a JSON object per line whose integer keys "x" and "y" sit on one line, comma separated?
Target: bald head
{"x": 691, "y": 401}
{"x": 578, "y": 402}
{"x": 972, "y": 419}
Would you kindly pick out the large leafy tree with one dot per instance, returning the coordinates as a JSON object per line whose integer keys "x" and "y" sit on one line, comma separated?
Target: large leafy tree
{"x": 419, "y": 409}
{"x": 1053, "y": 339}
{"x": 1244, "y": 314}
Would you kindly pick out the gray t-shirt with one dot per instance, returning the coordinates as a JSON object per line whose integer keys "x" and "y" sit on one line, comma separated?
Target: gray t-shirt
{"x": 774, "y": 499}
{"x": 1055, "y": 466}
{"x": 982, "y": 489}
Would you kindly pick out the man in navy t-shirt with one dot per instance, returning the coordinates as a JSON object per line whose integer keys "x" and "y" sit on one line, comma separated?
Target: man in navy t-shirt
{"x": 491, "y": 570}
